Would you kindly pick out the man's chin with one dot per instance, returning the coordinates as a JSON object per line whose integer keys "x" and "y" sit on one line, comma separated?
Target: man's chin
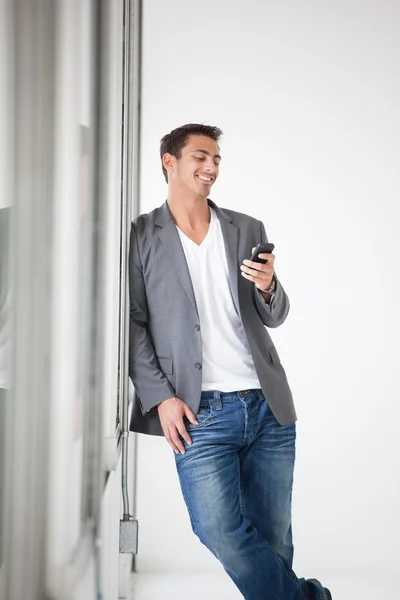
{"x": 200, "y": 194}
{"x": 203, "y": 192}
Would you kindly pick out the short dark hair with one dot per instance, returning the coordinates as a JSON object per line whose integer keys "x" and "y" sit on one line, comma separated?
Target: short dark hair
{"x": 176, "y": 140}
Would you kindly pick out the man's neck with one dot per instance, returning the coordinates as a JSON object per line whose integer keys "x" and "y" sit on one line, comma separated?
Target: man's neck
{"x": 189, "y": 212}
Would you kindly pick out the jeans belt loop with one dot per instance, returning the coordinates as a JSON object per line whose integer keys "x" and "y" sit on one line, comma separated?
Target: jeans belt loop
{"x": 217, "y": 402}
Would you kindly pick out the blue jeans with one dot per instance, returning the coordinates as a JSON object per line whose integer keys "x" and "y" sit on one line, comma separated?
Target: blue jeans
{"x": 236, "y": 480}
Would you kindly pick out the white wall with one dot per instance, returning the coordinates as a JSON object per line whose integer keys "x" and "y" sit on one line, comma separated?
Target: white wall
{"x": 307, "y": 94}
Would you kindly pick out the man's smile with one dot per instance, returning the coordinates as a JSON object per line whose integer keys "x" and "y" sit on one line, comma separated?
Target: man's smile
{"x": 205, "y": 179}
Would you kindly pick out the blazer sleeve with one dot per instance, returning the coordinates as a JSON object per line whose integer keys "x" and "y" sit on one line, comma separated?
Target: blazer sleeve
{"x": 150, "y": 383}
{"x": 274, "y": 313}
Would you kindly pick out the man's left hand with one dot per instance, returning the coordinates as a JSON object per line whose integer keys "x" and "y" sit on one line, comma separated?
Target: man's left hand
{"x": 261, "y": 274}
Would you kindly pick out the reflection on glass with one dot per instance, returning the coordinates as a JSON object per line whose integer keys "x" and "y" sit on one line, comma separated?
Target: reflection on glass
{"x": 86, "y": 312}
{"x": 84, "y": 445}
{"x": 5, "y": 341}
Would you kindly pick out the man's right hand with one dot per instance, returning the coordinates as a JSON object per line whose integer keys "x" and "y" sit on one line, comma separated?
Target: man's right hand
{"x": 171, "y": 413}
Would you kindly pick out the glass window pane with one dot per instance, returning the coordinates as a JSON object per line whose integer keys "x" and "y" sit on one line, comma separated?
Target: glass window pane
{"x": 5, "y": 347}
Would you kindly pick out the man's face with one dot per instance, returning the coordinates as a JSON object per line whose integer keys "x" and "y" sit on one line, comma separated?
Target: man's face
{"x": 198, "y": 167}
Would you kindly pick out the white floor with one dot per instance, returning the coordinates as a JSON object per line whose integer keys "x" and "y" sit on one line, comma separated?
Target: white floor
{"x": 206, "y": 586}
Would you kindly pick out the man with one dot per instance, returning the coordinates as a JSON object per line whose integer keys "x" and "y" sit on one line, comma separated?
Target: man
{"x": 206, "y": 373}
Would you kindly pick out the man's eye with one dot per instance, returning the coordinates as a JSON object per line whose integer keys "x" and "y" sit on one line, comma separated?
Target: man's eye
{"x": 199, "y": 157}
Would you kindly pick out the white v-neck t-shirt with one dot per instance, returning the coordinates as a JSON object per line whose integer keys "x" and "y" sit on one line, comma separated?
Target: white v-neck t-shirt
{"x": 227, "y": 361}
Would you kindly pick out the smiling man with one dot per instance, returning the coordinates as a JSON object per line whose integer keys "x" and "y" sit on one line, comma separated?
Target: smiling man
{"x": 206, "y": 373}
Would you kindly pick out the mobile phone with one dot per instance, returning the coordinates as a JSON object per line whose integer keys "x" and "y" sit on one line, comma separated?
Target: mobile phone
{"x": 266, "y": 247}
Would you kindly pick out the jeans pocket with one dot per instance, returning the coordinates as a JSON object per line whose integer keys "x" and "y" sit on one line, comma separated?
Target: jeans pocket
{"x": 203, "y": 417}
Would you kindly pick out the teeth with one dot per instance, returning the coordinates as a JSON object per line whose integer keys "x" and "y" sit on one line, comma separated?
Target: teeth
{"x": 208, "y": 179}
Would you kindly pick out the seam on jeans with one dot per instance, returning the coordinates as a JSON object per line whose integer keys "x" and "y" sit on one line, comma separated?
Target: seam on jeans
{"x": 241, "y": 497}
{"x": 246, "y": 419}
{"x": 291, "y": 576}
{"x": 194, "y": 526}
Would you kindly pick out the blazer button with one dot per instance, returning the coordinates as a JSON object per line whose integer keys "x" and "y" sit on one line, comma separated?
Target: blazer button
{"x": 197, "y": 327}
{"x": 198, "y": 366}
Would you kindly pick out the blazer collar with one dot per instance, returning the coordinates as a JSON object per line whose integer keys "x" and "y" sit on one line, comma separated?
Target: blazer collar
{"x": 164, "y": 215}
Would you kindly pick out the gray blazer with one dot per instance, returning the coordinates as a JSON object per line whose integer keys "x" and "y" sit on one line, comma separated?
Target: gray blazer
{"x": 165, "y": 355}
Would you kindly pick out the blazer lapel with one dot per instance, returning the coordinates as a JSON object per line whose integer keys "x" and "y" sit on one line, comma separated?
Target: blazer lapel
{"x": 172, "y": 244}
{"x": 231, "y": 239}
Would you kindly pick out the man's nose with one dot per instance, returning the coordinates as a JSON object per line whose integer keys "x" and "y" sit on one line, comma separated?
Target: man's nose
{"x": 210, "y": 169}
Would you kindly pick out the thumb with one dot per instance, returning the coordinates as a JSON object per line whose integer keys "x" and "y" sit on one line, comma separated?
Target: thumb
{"x": 253, "y": 249}
{"x": 190, "y": 415}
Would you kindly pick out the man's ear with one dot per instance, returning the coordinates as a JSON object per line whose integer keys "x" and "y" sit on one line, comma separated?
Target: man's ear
{"x": 168, "y": 161}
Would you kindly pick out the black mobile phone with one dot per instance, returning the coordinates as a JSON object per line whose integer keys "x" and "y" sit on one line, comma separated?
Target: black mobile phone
{"x": 266, "y": 247}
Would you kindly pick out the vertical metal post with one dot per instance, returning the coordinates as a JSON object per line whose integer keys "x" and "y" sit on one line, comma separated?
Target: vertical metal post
{"x": 131, "y": 155}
